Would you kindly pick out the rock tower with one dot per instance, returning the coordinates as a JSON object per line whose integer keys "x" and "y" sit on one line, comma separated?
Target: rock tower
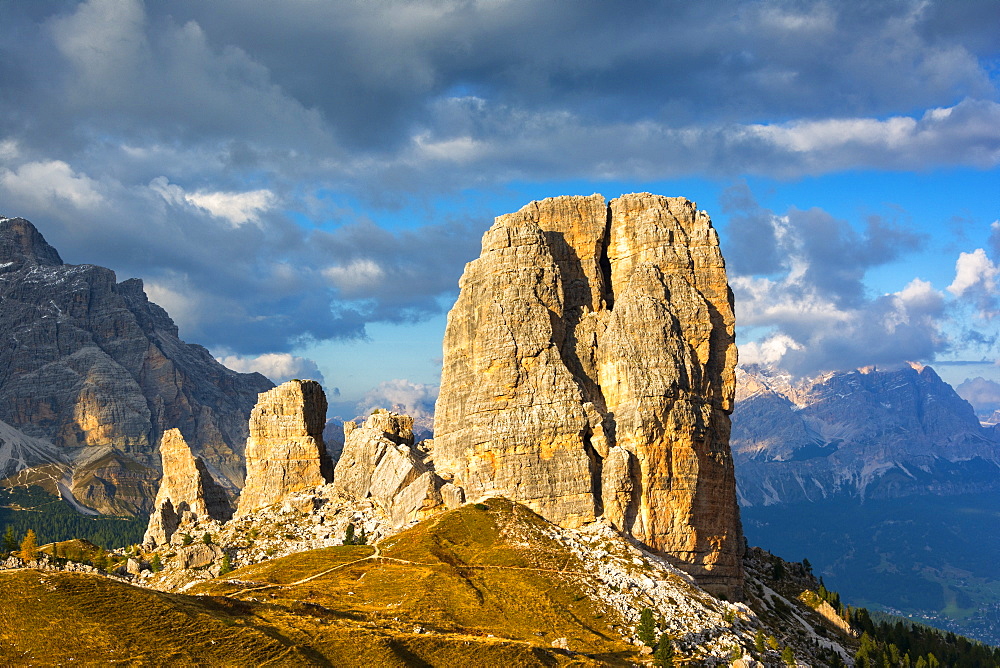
{"x": 285, "y": 451}
{"x": 188, "y": 494}
{"x": 589, "y": 372}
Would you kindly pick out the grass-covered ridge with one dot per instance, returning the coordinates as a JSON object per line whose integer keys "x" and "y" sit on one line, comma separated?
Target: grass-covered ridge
{"x": 481, "y": 571}
{"x": 479, "y": 586}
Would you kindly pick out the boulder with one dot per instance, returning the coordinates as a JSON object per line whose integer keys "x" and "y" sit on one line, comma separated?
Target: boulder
{"x": 198, "y": 555}
{"x": 380, "y": 462}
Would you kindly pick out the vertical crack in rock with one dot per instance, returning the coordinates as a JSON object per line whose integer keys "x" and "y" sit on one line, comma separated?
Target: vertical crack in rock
{"x": 589, "y": 372}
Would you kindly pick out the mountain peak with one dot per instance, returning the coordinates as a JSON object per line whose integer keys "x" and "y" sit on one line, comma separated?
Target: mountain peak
{"x": 21, "y": 242}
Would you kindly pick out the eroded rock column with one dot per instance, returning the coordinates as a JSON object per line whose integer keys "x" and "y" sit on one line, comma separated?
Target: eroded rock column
{"x": 588, "y": 372}
{"x": 285, "y": 451}
{"x": 187, "y": 495}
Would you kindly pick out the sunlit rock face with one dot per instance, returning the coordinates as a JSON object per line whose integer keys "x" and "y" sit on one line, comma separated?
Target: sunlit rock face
{"x": 589, "y": 372}
{"x": 381, "y": 463}
{"x": 285, "y": 451}
{"x": 188, "y": 495}
{"x": 90, "y": 365}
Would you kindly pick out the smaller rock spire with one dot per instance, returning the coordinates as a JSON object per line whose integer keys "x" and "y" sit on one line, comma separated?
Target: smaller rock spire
{"x": 285, "y": 452}
{"x": 188, "y": 494}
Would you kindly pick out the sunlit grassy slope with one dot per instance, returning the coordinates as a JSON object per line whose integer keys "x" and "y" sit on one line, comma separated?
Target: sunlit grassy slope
{"x": 479, "y": 586}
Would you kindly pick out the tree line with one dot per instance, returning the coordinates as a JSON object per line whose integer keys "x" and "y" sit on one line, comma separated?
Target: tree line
{"x": 52, "y": 519}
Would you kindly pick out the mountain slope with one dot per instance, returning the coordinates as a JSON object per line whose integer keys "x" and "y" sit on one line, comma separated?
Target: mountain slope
{"x": 93, "y": 367}
{"x": 885, "y": 479}
{"x": 864, "y": 433}
{"x": 484, "y": 585}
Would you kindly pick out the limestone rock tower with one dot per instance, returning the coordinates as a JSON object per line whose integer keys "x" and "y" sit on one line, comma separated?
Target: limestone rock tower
{"x": 285, "y": 452}
{"x": 589, "y": 372}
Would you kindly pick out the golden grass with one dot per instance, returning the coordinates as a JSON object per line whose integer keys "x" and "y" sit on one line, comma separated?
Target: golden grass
{"x": 470, "y": 587}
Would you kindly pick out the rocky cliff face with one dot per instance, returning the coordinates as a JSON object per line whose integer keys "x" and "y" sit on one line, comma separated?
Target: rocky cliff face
{"x": 865, "y": 433}
{"x": 588, "y": 372}
{"x": 92, "y": 366}
{"x": 188, "y": 494}
{"x": 285, "y": 451}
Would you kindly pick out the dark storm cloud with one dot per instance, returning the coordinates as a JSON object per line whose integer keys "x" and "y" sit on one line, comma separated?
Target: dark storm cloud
{"x": 258, "y": 286}
{"x": 828, "y": 256}
{"x": 192, "y": 143}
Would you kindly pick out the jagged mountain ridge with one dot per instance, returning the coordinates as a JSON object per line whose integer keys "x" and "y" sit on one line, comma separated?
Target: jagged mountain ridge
{"x": 96, "y": 369}
{"x": 864, "y": 433}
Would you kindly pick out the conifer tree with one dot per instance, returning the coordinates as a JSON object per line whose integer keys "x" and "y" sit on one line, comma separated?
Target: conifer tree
{"x": 10, "y": 541}
{"x": 663, "y": 657}
{"x": 349, "y": 534}
{"x": 646, "y": 631}
{"x": 156, "y": 564}
{"x": 788, "y": 656}
{"x": 227, "y": 566}
{"x": 29, "y": 546}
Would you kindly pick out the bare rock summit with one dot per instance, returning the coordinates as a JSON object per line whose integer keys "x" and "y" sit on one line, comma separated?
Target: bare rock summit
{"x": 188, "y": 495}
{"x": 589, "y": 372}
{"x": 285, "y": 451}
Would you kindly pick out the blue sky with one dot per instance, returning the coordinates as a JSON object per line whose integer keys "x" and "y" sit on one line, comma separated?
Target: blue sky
{"x": 300, "y": 183}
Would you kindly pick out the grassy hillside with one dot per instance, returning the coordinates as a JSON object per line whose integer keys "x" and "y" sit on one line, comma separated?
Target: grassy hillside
{"x": 474, "y": 587}
{"x": 476, "y": 571}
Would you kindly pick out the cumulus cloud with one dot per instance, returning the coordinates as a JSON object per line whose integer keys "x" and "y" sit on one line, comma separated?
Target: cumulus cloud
{"x": 402, "y": 396}
{"x": 279, "y": 367}
{"x": 983, "y": 394}
{"x": 798, "y": 280}
{"x": 976, "y": 279}
{"x": 50, "y": 184}
{"x": 236, "y": 207}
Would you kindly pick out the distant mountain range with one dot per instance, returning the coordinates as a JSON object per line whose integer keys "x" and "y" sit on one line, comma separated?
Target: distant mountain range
{"x": 867, "y": 433}
{"x": 885, "y": 479}
{"x": 91, "y": 375}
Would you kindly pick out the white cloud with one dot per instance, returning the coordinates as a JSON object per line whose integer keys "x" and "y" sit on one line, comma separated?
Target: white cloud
{"x": 355, "y": 277}
{"x": 769, "y": 351}
{"x": 279, "y": 367}
{"x": 456, "y": 149}
{"x": 236, "y": 207}
{"x": 38, "y": 183}
{"x": 974, "y": 270}
{"x": 977, "y": 282}
{"x": 983, "y": 394}
{"x": 403, "y": 396}
{"x": 9, "y": 149}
